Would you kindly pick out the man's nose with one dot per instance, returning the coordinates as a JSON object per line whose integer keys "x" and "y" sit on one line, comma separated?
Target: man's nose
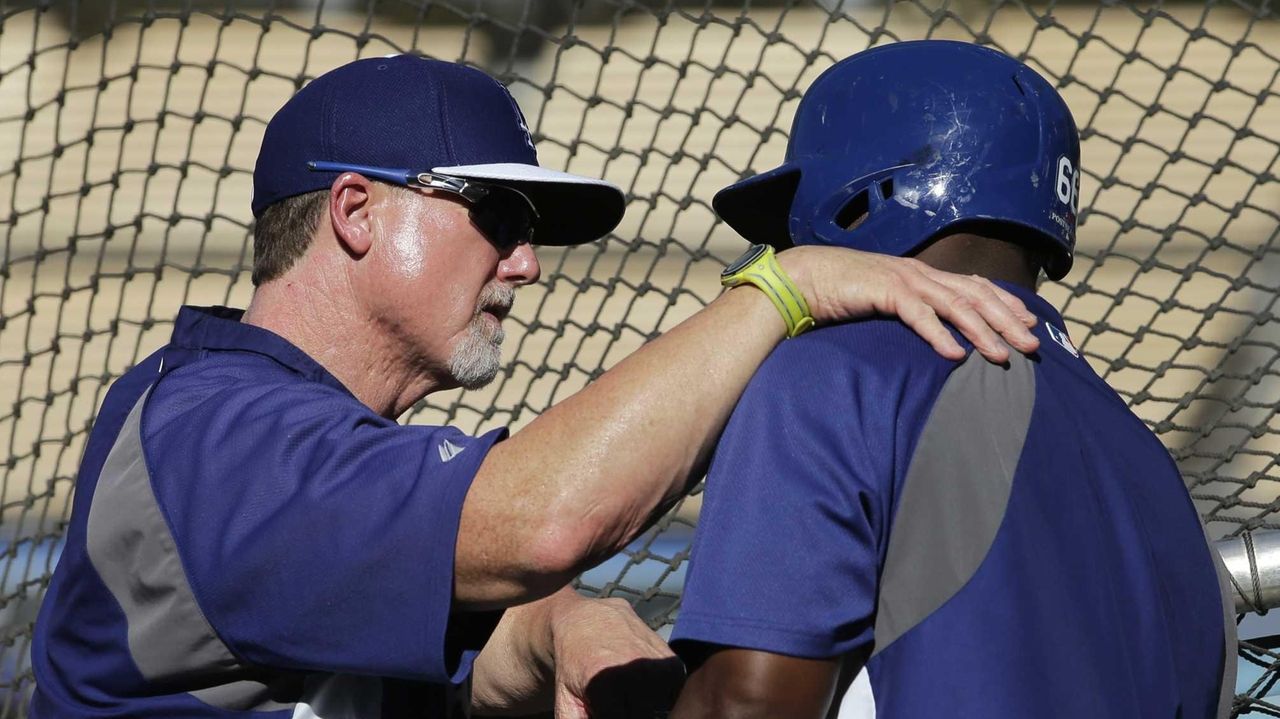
{"x": 520, "y": 266}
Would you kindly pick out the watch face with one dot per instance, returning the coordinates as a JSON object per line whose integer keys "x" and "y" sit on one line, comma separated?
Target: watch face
{"x": 752, "y": 254}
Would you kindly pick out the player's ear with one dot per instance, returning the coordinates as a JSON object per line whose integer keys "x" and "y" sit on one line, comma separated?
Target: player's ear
{"x": 350, "y": 204}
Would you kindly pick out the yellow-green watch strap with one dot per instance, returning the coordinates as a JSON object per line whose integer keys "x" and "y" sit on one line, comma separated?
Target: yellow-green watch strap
{"x": 758, "y": 266}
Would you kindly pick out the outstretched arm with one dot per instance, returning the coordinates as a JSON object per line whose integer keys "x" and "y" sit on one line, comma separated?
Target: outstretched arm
{"x": 586, "y": 477}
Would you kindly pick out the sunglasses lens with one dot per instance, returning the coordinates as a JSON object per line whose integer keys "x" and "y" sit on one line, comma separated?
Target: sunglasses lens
{"x": 504, "y": 215}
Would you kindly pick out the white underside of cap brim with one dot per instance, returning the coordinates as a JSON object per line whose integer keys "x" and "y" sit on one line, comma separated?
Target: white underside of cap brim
{"x": 517, "y": 172}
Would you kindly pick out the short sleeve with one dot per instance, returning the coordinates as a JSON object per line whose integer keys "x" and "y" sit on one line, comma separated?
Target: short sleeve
{"x": 792, "y": 528}
{"x": 315, "y": 534}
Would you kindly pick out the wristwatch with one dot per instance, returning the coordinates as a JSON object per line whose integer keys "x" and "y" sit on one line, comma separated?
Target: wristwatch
{"x": 758, "y": 266}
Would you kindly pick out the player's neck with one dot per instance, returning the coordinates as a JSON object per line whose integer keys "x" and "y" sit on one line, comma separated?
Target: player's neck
{"x": 990, "y": 258}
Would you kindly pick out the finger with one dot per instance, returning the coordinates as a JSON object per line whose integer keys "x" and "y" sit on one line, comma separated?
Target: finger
{"x": 965, "y": 318}
{"x": 922, "y": 319}
{"x": 1014, "y": 303}
{"x": 951, "y": 306}
{"x": 987, "y": 299}
{"x": 1007, "y": 298}
{"x": 1019, "y": 335}
{"x": 961, "y": 312}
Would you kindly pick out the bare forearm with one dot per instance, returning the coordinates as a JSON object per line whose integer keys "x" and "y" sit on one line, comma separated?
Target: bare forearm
{"x": 603, "y": 461}
{"x": 638, "y": 433}
{"x": 659, "y": 411}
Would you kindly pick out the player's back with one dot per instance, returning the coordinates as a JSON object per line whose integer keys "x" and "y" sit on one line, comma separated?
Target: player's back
{"x": 1002, "y": 541}
{"x": 1045, "y": 554}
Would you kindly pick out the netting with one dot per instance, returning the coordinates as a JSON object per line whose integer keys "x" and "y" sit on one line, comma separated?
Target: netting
{"x": 128, "y": 133}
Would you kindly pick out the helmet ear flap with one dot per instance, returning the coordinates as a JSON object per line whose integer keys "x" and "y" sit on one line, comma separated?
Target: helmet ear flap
{"x": 760, "y": 207}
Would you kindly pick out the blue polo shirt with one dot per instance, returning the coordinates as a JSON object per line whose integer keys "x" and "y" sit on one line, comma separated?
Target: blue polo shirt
{"x": 249, "y": 540}
{"x": 993, "y": 542}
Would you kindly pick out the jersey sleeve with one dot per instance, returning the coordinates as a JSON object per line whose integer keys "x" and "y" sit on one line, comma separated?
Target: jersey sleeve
{"x": 315, "y": 534}
{"x": 793, "y": 524}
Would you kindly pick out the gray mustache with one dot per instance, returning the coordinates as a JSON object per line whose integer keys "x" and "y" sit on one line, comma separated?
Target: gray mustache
{"x": 496, "y": 296}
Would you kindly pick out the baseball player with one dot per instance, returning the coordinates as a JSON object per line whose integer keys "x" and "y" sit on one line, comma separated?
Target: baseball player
{"x": 255, "y": 536}
{"x": 889, "y": 533}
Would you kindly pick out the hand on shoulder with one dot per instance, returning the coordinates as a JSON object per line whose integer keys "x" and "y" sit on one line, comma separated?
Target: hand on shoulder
{"x": 842, "y": 284}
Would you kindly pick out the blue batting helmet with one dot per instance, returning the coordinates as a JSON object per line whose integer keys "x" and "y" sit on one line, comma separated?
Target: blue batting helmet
{"x": 901, "y": 144}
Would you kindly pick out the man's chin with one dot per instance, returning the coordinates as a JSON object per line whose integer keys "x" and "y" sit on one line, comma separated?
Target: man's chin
{"x": 477, "y": 361}
{"x": 476, "y": 382}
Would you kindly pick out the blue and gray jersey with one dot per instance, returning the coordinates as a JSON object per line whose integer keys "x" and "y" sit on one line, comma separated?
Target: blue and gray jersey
{"x": 249, "y": 540}
{"x": 994, "y": 542}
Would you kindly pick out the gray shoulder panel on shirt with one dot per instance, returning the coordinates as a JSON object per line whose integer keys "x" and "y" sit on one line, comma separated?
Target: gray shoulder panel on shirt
{"x": 956, "y": 490}
{"x": 130, "y": 546}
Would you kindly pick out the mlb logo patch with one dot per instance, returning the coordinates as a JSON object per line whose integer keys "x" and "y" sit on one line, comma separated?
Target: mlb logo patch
{"x": 1062, "y": 339}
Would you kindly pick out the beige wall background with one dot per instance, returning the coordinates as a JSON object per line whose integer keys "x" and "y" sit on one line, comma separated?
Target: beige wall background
{"x": 125, "y": 179}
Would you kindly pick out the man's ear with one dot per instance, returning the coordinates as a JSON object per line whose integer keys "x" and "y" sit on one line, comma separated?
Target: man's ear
{"x": 350, "y": 200}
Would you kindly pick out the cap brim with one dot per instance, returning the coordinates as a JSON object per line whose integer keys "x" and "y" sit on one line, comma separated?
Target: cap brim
{"x": 572, "y": 209}
{"x": 759, "y": 207}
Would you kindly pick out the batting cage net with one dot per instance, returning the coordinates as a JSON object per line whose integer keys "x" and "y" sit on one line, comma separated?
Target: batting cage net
{"x": 129, "y": 130}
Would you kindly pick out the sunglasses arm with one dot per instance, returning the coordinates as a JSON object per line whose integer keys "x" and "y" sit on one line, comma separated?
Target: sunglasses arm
{"x": 394, "y": 176}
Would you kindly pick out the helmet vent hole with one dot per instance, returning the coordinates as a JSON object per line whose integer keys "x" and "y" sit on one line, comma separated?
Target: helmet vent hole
{"x": 886, "y": 188}
{"x": 1018, "y": 85}
{"x": 854, "y": 211}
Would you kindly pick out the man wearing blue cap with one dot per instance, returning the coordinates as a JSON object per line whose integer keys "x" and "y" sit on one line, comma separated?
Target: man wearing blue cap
{"x": 255, "y": 536}
{"x": 889, "y": 533}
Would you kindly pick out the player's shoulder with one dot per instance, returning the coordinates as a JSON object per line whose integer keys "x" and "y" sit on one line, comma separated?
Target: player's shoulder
{"x": 876, "y": 374}
{"x": 879, "y": 349}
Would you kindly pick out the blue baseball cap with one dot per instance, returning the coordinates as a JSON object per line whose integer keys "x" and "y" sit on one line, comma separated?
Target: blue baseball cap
{"x": 431, "y": 116}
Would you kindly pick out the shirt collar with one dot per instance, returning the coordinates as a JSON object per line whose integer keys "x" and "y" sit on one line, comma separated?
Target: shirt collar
{"x": 220, "y": 328}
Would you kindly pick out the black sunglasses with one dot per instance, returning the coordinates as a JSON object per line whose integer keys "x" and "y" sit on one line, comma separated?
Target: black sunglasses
{"x": 505, "y": 215}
